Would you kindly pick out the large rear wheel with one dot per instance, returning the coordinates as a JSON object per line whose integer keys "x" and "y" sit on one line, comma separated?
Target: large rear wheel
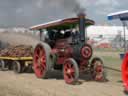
{"x": 71, "y": 71}
{"x": 41, "y": 60}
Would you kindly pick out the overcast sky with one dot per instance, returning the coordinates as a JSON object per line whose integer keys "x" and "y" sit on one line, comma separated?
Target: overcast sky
{"x": 25, "y": 13}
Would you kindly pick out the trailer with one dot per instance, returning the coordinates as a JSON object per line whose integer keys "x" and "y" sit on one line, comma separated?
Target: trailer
{"x": 17, "y": 64}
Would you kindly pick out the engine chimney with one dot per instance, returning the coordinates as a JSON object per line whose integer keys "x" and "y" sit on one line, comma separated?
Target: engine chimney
{"x": 82, "y": 26}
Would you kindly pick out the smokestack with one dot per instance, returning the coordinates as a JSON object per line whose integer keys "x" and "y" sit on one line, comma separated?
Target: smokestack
{"x": 82, "y": 25}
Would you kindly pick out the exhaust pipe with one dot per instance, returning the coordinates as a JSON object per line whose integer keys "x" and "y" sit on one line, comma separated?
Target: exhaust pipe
{"x": 81, "y": 17}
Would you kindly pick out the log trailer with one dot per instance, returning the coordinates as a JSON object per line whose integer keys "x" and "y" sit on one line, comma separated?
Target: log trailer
{"x": 16, "y": 58}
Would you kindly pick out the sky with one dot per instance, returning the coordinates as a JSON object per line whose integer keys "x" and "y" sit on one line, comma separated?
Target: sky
{"x": 25, "y": 13}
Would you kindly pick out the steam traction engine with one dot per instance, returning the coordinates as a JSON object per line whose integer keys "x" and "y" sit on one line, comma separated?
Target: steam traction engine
{"x": 65, "y": 48}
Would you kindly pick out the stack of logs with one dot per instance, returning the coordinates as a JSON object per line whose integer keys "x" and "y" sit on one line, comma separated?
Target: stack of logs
{"x": 17, "y": 51}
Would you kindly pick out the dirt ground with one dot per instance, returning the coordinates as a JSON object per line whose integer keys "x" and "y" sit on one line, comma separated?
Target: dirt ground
{"x": 27, "y": 84}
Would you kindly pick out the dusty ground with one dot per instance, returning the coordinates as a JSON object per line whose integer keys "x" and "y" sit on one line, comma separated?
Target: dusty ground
{"x": 28, "y": 85}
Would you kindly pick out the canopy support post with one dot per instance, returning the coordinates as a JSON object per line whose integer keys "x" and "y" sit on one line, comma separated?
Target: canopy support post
{"x": 124, "y": 25}
{"x": 40, "y": 34}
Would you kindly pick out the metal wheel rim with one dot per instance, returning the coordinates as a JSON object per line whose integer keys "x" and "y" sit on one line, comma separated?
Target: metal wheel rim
{"x": 39, "y": 61}
{"x": 70, "y": 71}
{"x": 86, "y": 51}
{"x": 16, "y": 67}
{"x": 97, "y": 70}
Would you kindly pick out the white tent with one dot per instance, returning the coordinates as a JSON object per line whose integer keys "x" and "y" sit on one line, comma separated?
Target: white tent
{"x": 108, "y": 32}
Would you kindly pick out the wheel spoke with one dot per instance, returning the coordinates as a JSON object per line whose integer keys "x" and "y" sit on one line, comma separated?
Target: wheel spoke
{"x": 43, "y": 66}
{"x": 71, "y": 77}
{"x": 37, "y": 51}
{"x": 39, "y": 48}
{"x": 39, "y": 61}
{"x": 43, "y": 60}
{"x": 41, "y": 69}
{"x": 36, "y": 59}
{"x": 72, "y": 71}
{"x": 37, "y": 66}
{"x": 67, "y": 65}
{"x": 67, "y": 77}
{"x": 36, "y": 55}
{"x": 65, "y": 69}
{"x": 41, "y": 53}
{"x": 97, "y": 69}
{"x": 70, "y": 65}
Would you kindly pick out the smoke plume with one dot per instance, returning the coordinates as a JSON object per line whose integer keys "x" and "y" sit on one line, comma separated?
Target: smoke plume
{"x": 24, "y": 13}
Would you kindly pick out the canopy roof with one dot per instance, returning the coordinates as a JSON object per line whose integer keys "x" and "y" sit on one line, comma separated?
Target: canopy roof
{"x": 61, "y": 24}
{"x": 123, "y": 15}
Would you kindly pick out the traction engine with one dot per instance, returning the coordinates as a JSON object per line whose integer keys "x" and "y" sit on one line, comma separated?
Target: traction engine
{"x": 68, "y": 52}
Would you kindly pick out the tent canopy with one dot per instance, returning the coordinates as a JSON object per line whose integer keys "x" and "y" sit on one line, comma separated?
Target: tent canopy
{"x": 122, "y": 15}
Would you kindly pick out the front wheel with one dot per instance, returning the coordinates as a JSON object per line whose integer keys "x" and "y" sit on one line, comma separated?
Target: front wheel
{"x": 97, "y": 69}
{"x": 70, "y": 71}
